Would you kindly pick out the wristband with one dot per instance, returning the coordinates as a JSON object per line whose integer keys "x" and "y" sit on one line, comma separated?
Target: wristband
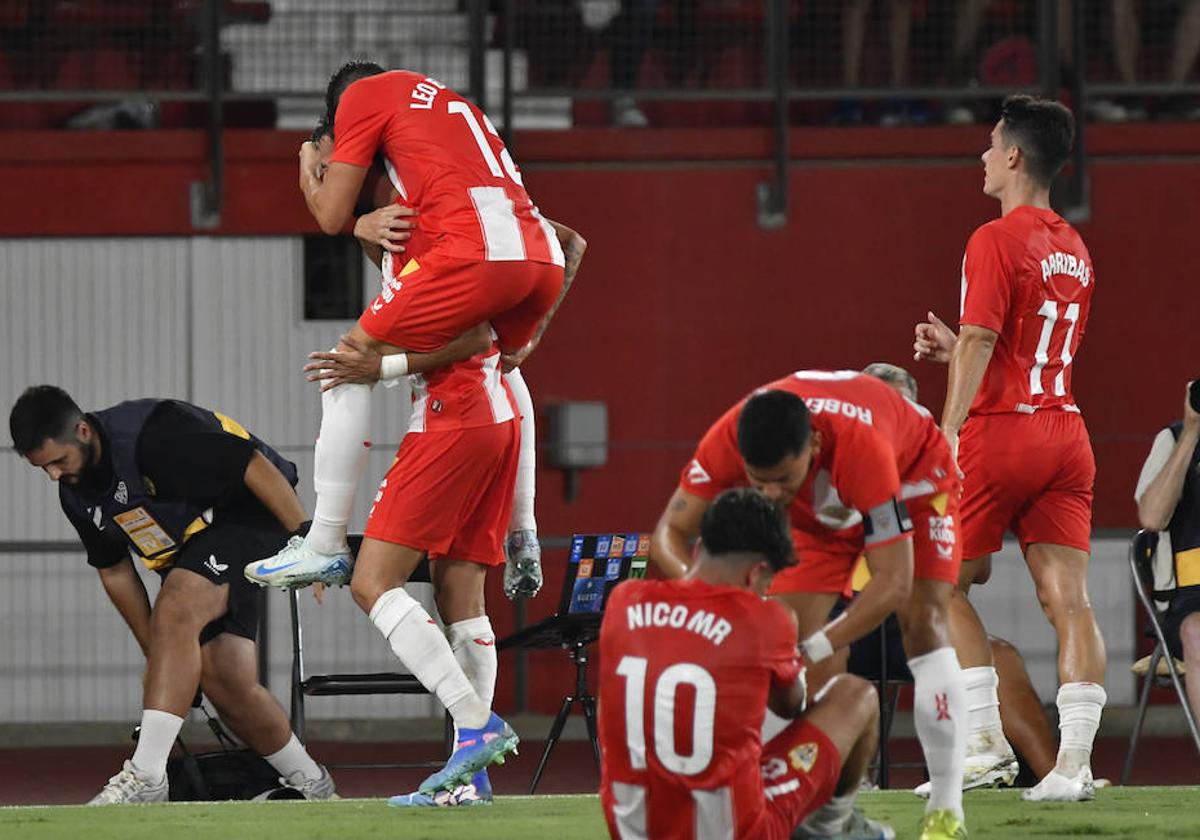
{"x": 817, "y": 647}
{"x": 393, "y": 366}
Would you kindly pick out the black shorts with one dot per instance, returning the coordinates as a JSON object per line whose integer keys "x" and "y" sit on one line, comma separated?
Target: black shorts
{"x": 218, "y": 554}
{"x": 1182, "y": 605}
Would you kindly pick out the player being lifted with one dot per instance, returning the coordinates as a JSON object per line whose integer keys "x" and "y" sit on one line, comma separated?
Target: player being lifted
{"x": 1027, "y": 283}
{"x": 481, "y": 253}
{"x": 688, "y": 670}
{"x": 849, "y": 459}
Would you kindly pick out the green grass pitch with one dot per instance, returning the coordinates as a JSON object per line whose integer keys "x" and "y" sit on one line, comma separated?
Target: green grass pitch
{"x": 1117, "y": 812}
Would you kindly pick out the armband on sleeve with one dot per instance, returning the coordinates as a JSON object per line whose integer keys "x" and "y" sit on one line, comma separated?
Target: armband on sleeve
{"x": 883, "y": 523}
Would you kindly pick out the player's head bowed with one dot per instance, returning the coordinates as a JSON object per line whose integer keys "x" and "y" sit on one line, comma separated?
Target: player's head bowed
{"x": 49, "y": 430}
{"x": 743, "y": 525}
{"x": 1043, "y": 130}
{"x": 777, "y": 443}
{"x": 346, "y": 75}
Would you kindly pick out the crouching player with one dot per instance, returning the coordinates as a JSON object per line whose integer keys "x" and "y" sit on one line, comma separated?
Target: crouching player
{"x": 197, "y": 497}
{"x": 689, "y": 668}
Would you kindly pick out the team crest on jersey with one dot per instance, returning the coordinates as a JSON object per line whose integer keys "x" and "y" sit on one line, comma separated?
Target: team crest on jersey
{"x": 696, "y": 474}
{"x": 804, "y": 756}
{"x": 775, "y": 768}
{"x": 122, "y": 494}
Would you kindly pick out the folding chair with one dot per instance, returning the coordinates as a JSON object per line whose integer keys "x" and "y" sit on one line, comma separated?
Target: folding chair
{"x": 1141, "y": 562}
{"x": 340, "y": 685}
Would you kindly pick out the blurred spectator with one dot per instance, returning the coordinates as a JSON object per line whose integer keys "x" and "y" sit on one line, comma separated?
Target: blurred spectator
{"x": 629, "y": 37}
{"x": 854, "y": 28}
{"x": 1168, "y": 499}
{"x": 1185, "y": 46}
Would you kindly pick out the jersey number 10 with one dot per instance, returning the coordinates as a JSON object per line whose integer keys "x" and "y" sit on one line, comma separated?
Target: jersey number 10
{"x": 633, "y": 669}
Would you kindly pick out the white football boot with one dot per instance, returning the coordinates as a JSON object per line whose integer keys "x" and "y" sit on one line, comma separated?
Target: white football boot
{"x": 128, "y": 788}
{"x": 298, "y": 565}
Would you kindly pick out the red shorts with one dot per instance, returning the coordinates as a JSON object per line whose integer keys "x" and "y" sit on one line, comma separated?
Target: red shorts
{"x": 450, "y": 493}
{"x": 435, "y": 299}
{"x": 800, "y": 768}
{"x": 937, "y": 551}
{"x": 1031, "y": 473}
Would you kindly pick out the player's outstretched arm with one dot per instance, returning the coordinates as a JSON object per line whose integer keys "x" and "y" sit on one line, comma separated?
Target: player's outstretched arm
{"x": 677, "y": 529}
{"x": 933, "y": 341}
{"x": 891, "y": 568}
{"x": 968, "y": 363}
{"x": 128, "y": 594}
{"x": 573, "y": 246}
{"x": 267, "y": 483}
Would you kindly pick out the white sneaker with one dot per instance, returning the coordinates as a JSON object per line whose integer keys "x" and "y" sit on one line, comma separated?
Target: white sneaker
{"x": 127, "y": 787}
{"x": 523, "y": 569}
{"x": 1059, "y": 788}
{"x": 298, "y": 565}
{"x": 313, "y": 789}
{"x": 990, "y": 763}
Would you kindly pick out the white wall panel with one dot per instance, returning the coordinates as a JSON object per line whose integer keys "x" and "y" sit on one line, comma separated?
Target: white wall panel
{"x": 106, "y": 320}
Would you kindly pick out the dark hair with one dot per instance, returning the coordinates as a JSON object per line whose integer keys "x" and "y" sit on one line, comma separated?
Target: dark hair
{"x": 346, "y": 75}
{"x": 323, "y": 129}
{"x": 772, "y": 426}
{"x": 893, "y": 375}
{"x": 743, "y": 520}
{"x": 42, "y": 412}
{"x": 1043, "y": 129}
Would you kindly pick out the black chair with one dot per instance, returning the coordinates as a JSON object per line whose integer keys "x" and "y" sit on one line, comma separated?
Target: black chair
{"x": 877, "y": 657}
{"x": 1141, "y": 562}
{"x": 340, "y": 685}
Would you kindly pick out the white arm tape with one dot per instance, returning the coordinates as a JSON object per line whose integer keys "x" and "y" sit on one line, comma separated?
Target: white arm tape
{"x": 817, "y": 647}
{"x": 393, "y": 366}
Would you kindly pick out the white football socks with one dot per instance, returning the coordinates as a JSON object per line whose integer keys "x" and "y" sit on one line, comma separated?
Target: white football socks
{"x": 474, "y": 646}
{"x": 522, "y": 511}
{"x": 339, "y": 461}
{"x": 293, "y": 759}
{"x": 983, "y": 707}
{"x": 155, "y": 739}
{"x": 1080, "y": 705}
{"x": 421, "y": 646}
{"x": 940, "y": 715}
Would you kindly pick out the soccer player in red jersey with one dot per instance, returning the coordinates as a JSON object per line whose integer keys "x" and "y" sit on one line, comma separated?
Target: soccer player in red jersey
{"x": 1027, "y": 283}
{"x": 480, "y": 253}
{"x": 849, "y": 459}
{"x": 689, "y": 668}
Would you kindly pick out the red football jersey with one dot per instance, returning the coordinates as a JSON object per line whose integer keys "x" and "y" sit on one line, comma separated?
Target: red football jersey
{"x": 464, "y": 395}
{"x": 686, "y": 668}
{"x": 1028, "y": 277}
{"x": 446, "y": 159}
{"x": 875, "y": 446}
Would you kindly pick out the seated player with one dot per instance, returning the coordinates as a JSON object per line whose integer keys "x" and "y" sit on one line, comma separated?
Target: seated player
{"x": 849, "y": 459}
{"x": 689, "y": 668}
{"x": 196, "y": 497}
{"x": 481, "y": 253}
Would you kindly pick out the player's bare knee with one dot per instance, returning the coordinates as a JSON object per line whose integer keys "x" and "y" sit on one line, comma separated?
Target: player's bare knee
{"x": 1189, "y": 635}
{"x": 365, "y": 590}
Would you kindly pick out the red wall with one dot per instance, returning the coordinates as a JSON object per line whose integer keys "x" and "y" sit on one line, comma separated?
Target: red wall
{"x": 684, "y": 304}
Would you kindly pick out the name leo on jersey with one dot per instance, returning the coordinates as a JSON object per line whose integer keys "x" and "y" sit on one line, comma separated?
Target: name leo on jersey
{"x": 1068, "y": 264}
{"x": 827, "y": 405}
{"x": 424, "y": 93}
{"x": 678, "y": 617}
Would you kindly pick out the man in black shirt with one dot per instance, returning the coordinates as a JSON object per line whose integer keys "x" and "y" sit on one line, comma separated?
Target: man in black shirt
{"x": 195, "y": 497}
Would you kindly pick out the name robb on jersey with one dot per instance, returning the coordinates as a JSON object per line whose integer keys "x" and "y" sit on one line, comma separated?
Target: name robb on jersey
{"x": 826, "y": 405}
{"x": 678, "y": 617}
{"x": 424, "y": 93}
{"x": 1068, "y": 264}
